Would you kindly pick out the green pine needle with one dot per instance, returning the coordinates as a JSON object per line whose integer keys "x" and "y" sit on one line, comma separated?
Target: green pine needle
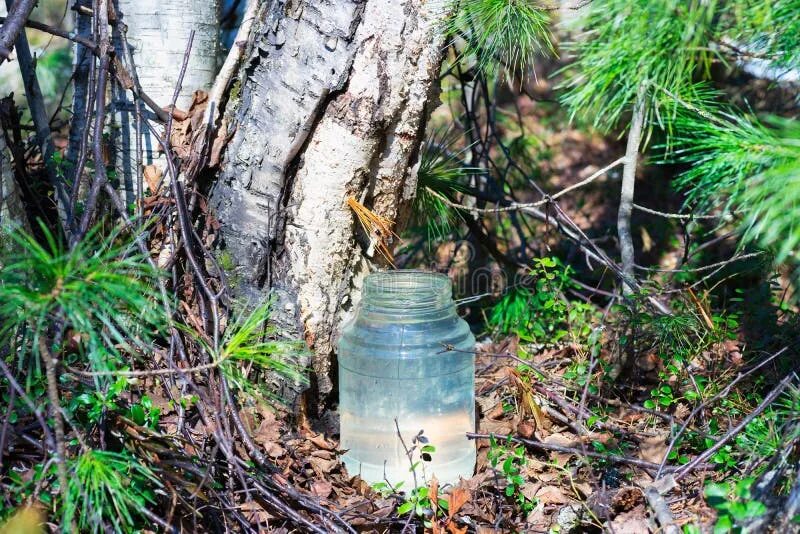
{"x": 108, "y": 488}
{"x": 249, "y": 344}
{"x": 441, "y": 173}
{"x": 748, "y": 166}
{"x": 509, "y": 33}
{"x": 770, "y": 27}
{"x": 628, "y": 44}
{"x": 103, "y": 289}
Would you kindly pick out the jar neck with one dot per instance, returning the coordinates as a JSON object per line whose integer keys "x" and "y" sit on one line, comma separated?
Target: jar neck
{"x": 406, "y": 292}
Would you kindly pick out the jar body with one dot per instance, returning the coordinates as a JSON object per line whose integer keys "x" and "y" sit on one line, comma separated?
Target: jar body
{"x": 406, "y": 362}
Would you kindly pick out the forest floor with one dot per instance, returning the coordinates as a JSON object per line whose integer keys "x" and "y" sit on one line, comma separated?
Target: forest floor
{"x": 576, "y": 461}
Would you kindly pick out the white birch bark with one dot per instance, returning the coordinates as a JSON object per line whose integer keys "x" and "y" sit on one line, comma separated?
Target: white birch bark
{"x": 11, "y": 209}
{"x": 333, "y": 105}
{"x": 158, "y": 33}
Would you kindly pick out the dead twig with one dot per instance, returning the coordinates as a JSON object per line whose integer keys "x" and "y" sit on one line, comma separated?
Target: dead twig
{"x": 18, "y": 13}
{"x": 613, "y": 458}
{"x": 51, "y": 365}
{"x": 733, "y": 432}
{"x": 700, "y": 407}
{"x": 661, "y": 509}
{"x": 41, "y": 121}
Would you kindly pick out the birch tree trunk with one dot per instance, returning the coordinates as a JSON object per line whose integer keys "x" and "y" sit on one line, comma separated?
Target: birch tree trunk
{"x": 157, "y": 33}
{"x": 332, "y": 105}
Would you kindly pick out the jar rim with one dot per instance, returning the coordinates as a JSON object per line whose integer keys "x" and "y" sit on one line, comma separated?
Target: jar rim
{"x": 409, "y": 288}
{"x": 401, "y": 280}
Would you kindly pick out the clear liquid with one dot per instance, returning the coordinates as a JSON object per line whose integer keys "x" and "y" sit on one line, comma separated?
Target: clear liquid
{"x": 441, "y": 407}
{"x": 407, "y": 357}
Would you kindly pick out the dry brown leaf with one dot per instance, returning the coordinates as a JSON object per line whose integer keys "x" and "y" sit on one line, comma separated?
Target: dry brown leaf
{"x": 268, "y": 430}
{"x": 487, "y": 403}
{"x": 320, "y": 466}
{"x": 273, "y": 449}
{"x": 383, "y": 507}
{"x": 525, "y": 429}
{"x": 653, "y": 449}
{"x": 648, "y": 362}
{"x": 681, "y": 411}
{"x": 561, "y": 439}
{"x": 530, "y": 488}
{"x": 490, "y": 426}
{"x": 254, "y": 512}
{"x": 626, "y": 499}
{"x": 538, "y": 519}
{"x": 433, "y": 493}
{"x": 320, "y": 441}
{"x": 632, "y": 522}
{"x": 472, "y": 484}
{"x": 584, "y": 488}
{"x": 152, "y": 175}
{"x": 456, "y": 499}
{"x": 551, "y": 495}
{"x": 321, "y": 488}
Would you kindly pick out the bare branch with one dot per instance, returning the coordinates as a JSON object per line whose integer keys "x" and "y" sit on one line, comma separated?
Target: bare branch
{"x": 18, "y": 13}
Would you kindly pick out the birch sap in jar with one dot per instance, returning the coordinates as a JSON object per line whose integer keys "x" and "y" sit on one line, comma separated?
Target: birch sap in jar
{"x": 407, "y": 366}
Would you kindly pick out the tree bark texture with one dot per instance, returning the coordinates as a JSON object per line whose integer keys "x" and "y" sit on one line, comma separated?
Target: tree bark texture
{"x": 333, "y": 103}
{"x": 157, "y": 33}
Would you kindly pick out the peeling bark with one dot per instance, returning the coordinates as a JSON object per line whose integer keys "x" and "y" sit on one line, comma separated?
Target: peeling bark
{"x": 334, "y": 100}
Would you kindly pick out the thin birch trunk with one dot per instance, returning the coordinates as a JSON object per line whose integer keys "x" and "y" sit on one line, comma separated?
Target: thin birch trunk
{"x": 157, "y": 33}
{"x": 11, "y": 209}
{"x": 626, "y": 195}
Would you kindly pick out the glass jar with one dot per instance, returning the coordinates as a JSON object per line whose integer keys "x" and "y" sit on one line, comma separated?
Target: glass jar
{"x": 407, "y": 365}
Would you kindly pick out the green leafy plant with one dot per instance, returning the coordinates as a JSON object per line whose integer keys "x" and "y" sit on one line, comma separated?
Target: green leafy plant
{"x": 542, "y": 313}
{"x": 508, "y": 460}
{"x": 97, "y": 402}
{"x": 662, "y": 397}
{"x": 733, "y": 503}
{"x": 419, "y": 503}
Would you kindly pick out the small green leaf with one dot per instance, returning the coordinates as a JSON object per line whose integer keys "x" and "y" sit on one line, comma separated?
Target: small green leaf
{"x": 137, "y": 414}
{"x": 405, "y": 508}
